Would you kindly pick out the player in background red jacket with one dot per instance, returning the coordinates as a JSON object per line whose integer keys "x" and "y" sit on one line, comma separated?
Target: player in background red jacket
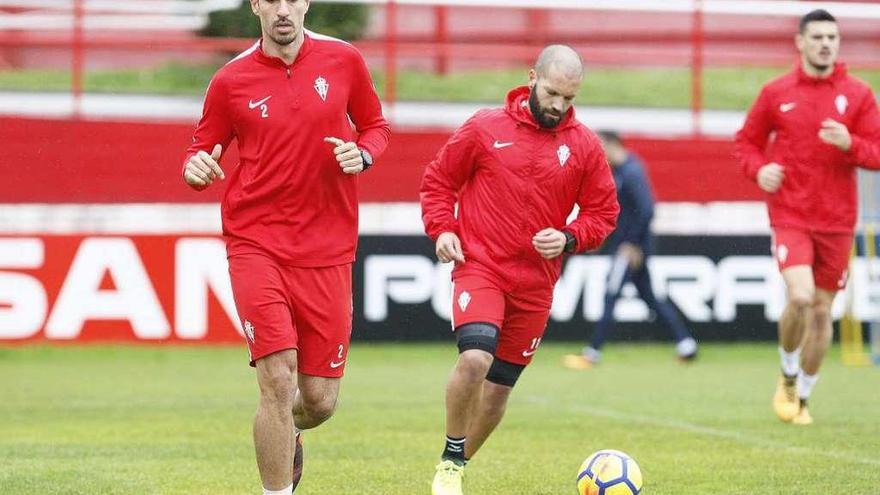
{"x": 826, "y": 124}
{"x": 290, "y": 215}
{"x": 515, "y": 173}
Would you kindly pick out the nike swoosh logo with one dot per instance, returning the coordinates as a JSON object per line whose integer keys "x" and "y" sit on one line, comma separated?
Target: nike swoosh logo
{"x": 499, "y": 145}
{"x": 786, "y": 107}
{"x": 254, "y": 104}
{"x": 336, "y": 365}
{"x": 529, "y": 353}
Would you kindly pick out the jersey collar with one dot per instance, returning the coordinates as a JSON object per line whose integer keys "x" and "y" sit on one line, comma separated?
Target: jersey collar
{"x": 262, "y": 58}
{"x": 839, "y": 72}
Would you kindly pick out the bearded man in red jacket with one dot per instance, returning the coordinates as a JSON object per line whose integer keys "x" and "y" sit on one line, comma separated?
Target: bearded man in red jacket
{"x": 290, "y": 215}
{"x": 515, "y": 173}
{"x": 826, "y": 124}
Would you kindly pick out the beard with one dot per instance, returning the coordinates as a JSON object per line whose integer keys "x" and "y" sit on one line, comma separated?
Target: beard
{"x": 545, "y": 118}
{"x": 819, "y": 65}
{"x": 284, "y": 39}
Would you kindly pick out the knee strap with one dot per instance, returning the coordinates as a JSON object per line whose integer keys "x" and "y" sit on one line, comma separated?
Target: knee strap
{"x": 482, "y": 336}
{"x": 504, "y": 373}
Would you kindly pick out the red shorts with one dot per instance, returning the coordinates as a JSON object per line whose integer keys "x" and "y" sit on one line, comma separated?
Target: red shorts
{"x": 283, "y": 307}
{"x": 826, "y": 253}
{"x": 521, "y": 323}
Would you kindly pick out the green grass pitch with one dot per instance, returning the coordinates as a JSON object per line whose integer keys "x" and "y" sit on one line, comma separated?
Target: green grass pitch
{"x": 153, "y": 420}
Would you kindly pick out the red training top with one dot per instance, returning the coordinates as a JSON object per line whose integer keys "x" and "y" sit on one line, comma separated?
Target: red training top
{"x": 511, "y": 179}
{"x": 288, "y": 197}
{"x": 819, "y": 191}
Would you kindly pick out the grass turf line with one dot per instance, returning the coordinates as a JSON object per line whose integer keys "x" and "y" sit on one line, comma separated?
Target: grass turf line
{"x": 114, "y": 420}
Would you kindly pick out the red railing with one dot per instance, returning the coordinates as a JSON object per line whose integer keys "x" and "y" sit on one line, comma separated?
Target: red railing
{"x": 681, "y": 47}
{"x": 78, "y": 58}
{"x": 697, "y": 68}
{"x": 391, "y": 53}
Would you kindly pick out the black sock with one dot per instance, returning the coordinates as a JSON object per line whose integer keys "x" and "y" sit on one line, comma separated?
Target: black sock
{"x": 454, "y": 451}
{"x": 803, "y": 403}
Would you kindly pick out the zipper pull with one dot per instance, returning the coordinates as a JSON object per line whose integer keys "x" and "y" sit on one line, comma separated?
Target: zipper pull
{"x": 288, "y": 72}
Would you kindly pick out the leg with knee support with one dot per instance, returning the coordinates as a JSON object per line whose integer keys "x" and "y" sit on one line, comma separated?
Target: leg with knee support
{"x": 480, "y": 336}
{"x": 500, "y": 379}
{"x": 504, "y": 373}
{"x": 476, "y": 345}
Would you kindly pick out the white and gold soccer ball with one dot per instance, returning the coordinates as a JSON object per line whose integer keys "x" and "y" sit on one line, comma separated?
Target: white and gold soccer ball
{"x": 609, "y": 472}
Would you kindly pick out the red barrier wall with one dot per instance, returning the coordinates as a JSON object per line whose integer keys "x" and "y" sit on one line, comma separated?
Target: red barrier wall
{"x": 59, "y": 161}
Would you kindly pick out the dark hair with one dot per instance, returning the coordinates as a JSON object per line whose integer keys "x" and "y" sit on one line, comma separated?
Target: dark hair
{"x": 815, "y": 16}
{"x": 610, "y": 136}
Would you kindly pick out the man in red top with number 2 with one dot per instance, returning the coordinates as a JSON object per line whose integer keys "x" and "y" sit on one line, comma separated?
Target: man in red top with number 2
{"x": 290, "y": 215}
{"x": 516, "y": 173}
{"x": 826, "y": 124}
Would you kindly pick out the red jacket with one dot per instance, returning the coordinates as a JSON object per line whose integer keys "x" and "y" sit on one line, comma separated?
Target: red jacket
{"x": 819, "y": 191}
{"x": 288, "y": 197}
{"x": 511, "y": 179}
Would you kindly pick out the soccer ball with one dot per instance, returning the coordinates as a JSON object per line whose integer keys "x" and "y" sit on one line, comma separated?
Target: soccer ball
{"x": 609, "y": 472}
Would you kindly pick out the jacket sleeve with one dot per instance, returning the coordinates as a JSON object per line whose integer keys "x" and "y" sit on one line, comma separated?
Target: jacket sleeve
{"x": 597, "y": 204}
{"x": 216, "y": 126}
{"x": 638, "y": 190}
{"x": 751, "y": 141}
{"x": 444, "y": 178}
{"x": 865, "y": 149}
{"x": 365, "y": 111}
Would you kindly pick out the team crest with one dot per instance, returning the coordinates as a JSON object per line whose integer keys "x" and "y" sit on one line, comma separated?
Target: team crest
{"x": 841, "y": 103}
{"x": 782, "y": 253}
{"x": 322, "y": 87}
{"x": 249, "y": 330}
{"x": 463, "y": 300}
{"x": 564, "y": 154}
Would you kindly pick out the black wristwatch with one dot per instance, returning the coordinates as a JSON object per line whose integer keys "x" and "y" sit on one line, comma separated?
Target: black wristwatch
{"x": 367, "y": 158}
{"x": 570, "y": 242}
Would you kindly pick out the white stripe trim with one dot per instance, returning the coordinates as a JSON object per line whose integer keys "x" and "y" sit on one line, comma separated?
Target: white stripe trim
{"x": 155, "y": 218}
{"x": 94, "y": 22}
{"x": 324, "y": 37}
{"x": 730, "y": 218}
{"x": 245, "y": 53}
{"x": 742, "y": 7}
{"x": 785, "y": 8}
{"x": 95, "y": 106}
{"x": 167, "y": 7}
{"x": 452, "y": 306}
{"x": 741, "y": 437}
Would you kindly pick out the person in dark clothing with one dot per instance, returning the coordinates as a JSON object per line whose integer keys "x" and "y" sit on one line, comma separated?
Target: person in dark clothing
{"x": 630, "y": 245}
